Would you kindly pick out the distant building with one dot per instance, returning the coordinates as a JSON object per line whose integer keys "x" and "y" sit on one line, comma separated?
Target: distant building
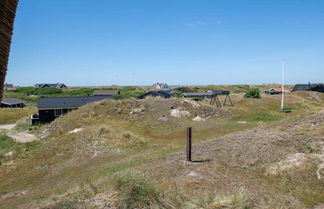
{"x": 105, "y": 92}
{"x": 162, "y": 94}
{"x": 12, "y": 103}
{"x": 309, "y": 87}
{"x": 8, "y": 86}
{"x": 160, "y": 87}
{"x": 53, "y": 85}
{"x": 51, "y": 108}
{"x": 276, "y": 91}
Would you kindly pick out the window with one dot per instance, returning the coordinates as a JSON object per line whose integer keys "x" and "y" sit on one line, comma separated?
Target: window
{"x": 57, "y": 112}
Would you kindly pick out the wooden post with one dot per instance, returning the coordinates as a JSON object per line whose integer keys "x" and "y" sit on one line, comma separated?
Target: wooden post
{"x": 188, "y": 147}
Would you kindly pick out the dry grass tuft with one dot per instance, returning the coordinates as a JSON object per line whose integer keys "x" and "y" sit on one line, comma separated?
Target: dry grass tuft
{"x": 236, "y": 199}
{"x": 134, "y": 190}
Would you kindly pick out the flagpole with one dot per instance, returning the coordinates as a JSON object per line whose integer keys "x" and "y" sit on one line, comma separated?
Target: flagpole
{"x": 282, "y": 83}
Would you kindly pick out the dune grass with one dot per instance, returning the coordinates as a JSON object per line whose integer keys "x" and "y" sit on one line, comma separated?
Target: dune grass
{"x": 114, "y": 140}
{"x": 134, "y": 190}
{"x": 16, "y": 150}
{"x": 11, "y": 115}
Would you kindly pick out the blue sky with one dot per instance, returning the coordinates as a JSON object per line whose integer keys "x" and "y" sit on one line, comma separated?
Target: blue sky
{"x": 128, "y": 42}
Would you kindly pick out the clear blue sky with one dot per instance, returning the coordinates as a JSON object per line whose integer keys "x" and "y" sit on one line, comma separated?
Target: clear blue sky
{"x": 139, "y": 42}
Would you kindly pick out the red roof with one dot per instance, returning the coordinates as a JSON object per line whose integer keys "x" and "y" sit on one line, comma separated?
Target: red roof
{"x": 280, "y": 89}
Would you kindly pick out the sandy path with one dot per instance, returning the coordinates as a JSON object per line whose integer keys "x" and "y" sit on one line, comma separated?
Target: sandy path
{"x": 21, "y": 137}
{"x": 7, "y": 126}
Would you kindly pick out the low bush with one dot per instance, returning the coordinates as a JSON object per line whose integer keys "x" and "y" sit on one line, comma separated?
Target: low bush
{"x": 253, "y": 93}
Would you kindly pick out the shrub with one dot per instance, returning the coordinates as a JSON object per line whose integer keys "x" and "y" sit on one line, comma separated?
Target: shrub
{"x": 253, "y": 93}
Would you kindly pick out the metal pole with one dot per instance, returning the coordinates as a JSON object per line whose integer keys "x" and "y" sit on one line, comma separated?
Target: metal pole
{"x": 282, "y": 83}
{"x": 188, "y": 147}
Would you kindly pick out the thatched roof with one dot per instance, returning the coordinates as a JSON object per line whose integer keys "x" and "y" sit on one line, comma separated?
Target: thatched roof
{"x": 7, "y": 17}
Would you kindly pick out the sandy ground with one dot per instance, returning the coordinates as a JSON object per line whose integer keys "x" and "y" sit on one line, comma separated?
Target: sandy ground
{"x": 21, "y": 137}
{"x": 7, "y": 126}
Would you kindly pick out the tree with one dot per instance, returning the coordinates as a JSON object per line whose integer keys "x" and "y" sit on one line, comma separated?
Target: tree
{"x": 7, "y": 16}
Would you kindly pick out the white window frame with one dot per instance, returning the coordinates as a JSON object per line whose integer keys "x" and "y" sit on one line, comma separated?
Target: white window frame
{"x": 55, "y": 113}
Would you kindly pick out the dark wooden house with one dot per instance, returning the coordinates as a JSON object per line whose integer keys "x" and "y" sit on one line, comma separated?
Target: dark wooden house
{"x": 12, "y": 103}
{"x": 51, "y": 108}
{"x": 309, "y": 87}
{"x": 319, "y": 88}
{"x": 53, "y": 85}
{"x": 162, "y": 94}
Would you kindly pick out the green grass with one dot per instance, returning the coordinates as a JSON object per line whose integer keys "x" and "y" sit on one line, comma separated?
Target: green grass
{"x": 6, "y": 144}
{"x": 19, "y": 150}
{"x": 264, "y": 116}
{"x": 109, "y": 129}
{"x": 12, "y": 115}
